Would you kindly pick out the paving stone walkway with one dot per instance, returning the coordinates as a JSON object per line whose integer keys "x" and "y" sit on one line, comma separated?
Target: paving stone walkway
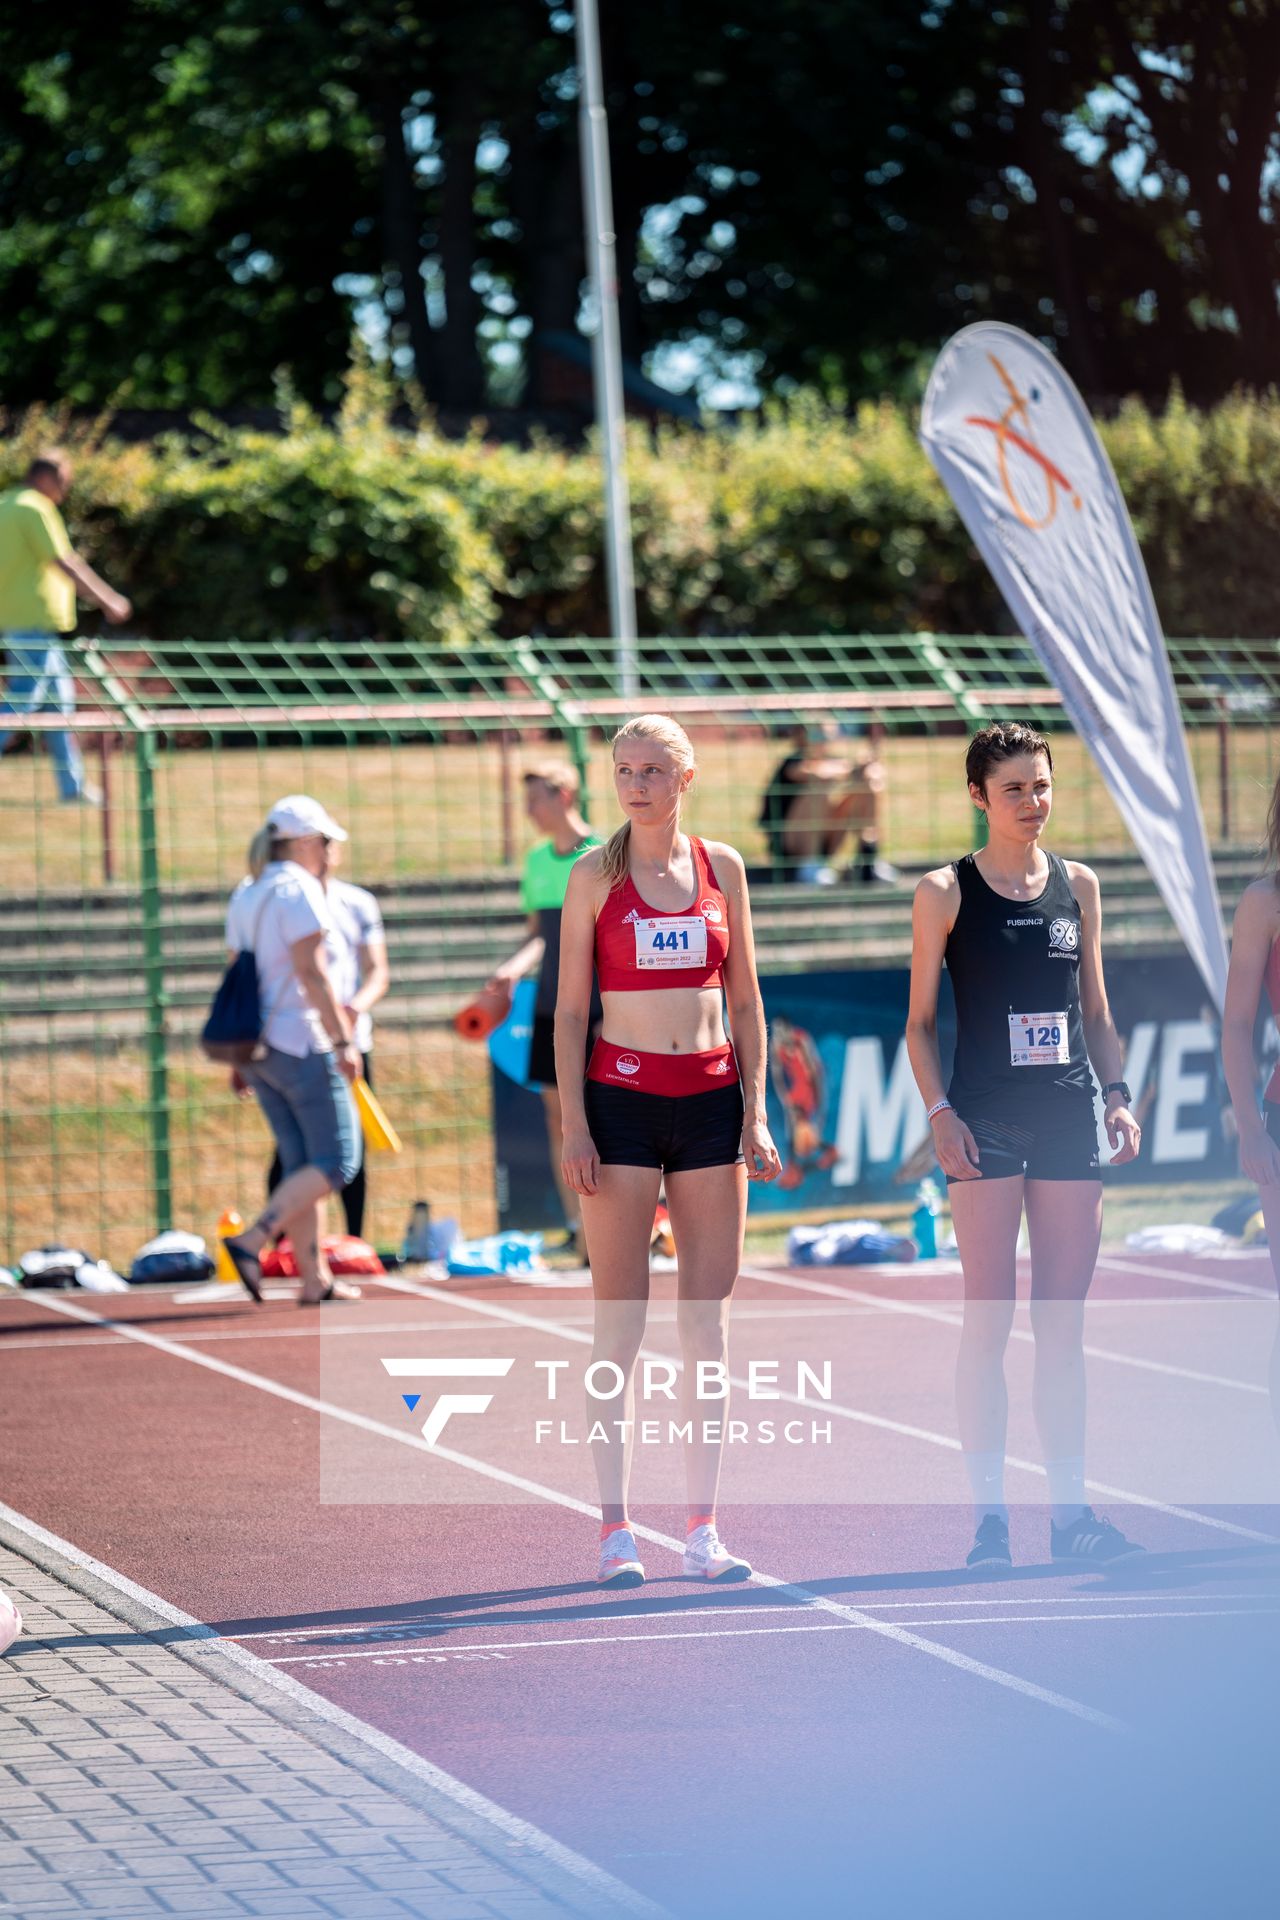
{"x": 142, "y": 1775}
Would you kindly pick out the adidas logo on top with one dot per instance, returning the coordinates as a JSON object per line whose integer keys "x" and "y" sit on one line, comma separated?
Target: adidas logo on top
{"x": 633, "y": 915}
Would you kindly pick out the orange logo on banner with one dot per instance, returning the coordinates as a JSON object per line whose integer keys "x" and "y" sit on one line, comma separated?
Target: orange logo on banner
{"x": 1008, "y": 435}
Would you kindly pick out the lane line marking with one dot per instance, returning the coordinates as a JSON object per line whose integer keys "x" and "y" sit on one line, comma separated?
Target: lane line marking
{"x": 977, "y": 1669}
{"x": 521, "y": 1832}
{"x": 748, "y": 1310}
{"x": 21, "y": 1342}
{"x": 418, "y": 1623}
{"x": 584, "y": 1642}
{"x": 511, "y": 1316}
{"x": 1130, "y": 1264}
{"x": 945, "y": 1316}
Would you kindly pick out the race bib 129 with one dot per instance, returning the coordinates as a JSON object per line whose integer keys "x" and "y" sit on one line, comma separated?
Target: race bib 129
{"x": 678, "y": 940}
{"x": 1039, "y": 1040}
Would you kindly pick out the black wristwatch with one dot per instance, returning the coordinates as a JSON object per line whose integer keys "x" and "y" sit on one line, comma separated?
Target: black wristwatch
{"x": 1120, "y": 1087}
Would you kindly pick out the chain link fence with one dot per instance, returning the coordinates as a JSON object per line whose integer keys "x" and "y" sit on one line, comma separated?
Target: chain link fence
{"x": 111, "y": 1122}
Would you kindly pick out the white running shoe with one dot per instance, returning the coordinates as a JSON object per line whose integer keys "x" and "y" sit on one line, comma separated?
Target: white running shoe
{"x": 619, "y": 1562}
{"x": 707, "y": 1558}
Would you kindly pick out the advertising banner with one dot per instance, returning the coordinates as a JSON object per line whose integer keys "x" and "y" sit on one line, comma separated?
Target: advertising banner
{"x": 1016, "y": 449}
{"x": 847, "y": 1118}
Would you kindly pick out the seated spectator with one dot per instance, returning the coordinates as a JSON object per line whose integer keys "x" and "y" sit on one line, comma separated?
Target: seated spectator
{"x": 815, "y": 800}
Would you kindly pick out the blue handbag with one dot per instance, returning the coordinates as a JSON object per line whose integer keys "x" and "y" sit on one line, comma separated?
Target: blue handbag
{"x": 232, "y": 1034}
{"x": 233, "y": 1031}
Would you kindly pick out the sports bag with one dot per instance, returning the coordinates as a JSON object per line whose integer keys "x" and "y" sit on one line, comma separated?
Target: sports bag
{"x": 232, "y": 1033}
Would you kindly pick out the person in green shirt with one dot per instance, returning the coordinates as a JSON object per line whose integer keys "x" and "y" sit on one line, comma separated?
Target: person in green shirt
{"x": 551, "y": 792}
{"x": 40, "y": 575}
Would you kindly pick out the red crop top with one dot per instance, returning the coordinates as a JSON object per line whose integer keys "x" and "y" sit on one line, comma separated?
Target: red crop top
{"x": 637, "y": 947}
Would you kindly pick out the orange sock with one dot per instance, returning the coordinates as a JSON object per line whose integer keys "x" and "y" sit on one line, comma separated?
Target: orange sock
{"x": 700, "y": 1520}
{"x": 610, "y": 1526}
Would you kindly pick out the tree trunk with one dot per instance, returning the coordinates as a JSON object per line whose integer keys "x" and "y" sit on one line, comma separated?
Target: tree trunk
{"x": 546, "y": 198}
{"x": 1249, "y": 239}
{"x": 402, "y": 230}
{"x": 461, "y": 380}
{"x": 1041, "y": 149}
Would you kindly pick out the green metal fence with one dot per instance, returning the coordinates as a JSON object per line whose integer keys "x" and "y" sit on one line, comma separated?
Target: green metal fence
{"x": 111, "y": 1122}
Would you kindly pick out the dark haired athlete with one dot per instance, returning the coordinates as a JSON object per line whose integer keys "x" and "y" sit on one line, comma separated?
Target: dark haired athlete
{"x": 665, "y": 920}
{"x": 1020, "y": 932}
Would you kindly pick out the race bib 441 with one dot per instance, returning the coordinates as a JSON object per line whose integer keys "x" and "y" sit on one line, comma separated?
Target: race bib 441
{"x": 677, "y": 940}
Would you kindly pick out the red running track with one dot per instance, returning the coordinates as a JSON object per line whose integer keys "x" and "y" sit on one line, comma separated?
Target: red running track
{"x": 874, "y": 1727}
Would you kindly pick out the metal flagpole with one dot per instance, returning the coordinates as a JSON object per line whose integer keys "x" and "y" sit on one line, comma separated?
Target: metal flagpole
{"x": 606, "y": 344}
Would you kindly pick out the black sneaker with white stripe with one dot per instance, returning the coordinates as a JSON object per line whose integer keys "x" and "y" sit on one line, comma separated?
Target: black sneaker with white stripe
{"x": 1090, "y": 1541}
{"x": 991, "y": 1543}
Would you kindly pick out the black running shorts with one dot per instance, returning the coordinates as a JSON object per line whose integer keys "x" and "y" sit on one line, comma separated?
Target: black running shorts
{"x": 677, "y": 1133}
{"x": 1059, "y": 1141}
{"x": 542, "y": 1050}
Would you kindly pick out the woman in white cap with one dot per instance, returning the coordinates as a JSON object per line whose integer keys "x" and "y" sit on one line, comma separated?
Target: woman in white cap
{"x": 302, "y": 1079}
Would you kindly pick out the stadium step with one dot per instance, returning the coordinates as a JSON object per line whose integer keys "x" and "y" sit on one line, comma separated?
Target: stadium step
{"x": 81, "y": 958}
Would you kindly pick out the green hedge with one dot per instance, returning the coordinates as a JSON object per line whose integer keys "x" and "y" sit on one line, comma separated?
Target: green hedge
{"x": 802, "y": 520}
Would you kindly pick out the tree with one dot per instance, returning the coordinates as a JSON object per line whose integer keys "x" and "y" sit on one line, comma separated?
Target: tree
{"x": 191, "y": 198}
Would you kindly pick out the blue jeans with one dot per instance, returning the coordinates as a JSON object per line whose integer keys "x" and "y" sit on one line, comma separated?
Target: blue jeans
{"x": 40, "y": 682}
{"x": 310, "y": 1111}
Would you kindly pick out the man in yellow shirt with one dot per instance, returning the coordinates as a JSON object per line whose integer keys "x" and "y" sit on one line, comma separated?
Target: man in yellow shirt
{"x": 40, "y": 574}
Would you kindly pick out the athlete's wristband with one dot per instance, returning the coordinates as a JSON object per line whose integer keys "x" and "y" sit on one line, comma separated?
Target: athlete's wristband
{"x": 1120, "y": 1087}
{"x": 939, "y": 1106}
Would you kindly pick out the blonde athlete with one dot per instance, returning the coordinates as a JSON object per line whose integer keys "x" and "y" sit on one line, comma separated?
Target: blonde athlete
{"x": 665, "y": 920}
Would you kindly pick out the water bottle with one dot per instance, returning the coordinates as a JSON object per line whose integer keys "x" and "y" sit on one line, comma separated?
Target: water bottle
{"x": 417, "y": 1244}
{"x": 924, "y": 1221}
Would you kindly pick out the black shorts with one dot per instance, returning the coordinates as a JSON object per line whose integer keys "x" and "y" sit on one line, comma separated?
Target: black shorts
{"x": 541, "y": 1070}
{"x": 1058, "y": 1140}
{"x": 675, "y": 1132}
{"x": 542, "y": 1050}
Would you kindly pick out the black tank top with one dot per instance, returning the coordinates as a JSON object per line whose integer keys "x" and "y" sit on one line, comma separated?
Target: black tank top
{"x": 1008, "y": 960}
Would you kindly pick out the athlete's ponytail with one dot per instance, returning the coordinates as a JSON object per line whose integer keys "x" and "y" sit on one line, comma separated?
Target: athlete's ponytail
{"x": 668, "y": 733}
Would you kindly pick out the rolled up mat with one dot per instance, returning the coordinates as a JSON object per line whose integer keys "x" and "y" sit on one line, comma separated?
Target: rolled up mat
{"x": 488, "y": 1010}
{"x": 379, "y": 1134}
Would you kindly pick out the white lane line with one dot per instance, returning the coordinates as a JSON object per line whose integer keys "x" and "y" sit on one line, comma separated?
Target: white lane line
{"x": 24, "y": 1342}
{"x": 310, "y": 1331}
{"x": 978, "y": 1669}
{"x": 583, "y": 1643}
{"x": 950, "y": 1317}
{"x": 511, "y": 1316}
{"x": 510, "y": 1825}
{"x": 1125, "y": 1264}
{"x": 443, "y": 1622}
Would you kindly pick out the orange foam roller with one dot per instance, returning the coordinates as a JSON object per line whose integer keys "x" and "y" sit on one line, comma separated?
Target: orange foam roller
{"x": 488, "y": 1010}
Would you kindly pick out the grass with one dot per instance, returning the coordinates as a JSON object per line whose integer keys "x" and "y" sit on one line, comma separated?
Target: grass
{"x": 418, "y": 812}
{"x": 75, "y": 1146}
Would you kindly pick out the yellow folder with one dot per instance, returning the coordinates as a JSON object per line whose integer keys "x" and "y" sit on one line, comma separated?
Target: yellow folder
{"x": 379, "y": 1134}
